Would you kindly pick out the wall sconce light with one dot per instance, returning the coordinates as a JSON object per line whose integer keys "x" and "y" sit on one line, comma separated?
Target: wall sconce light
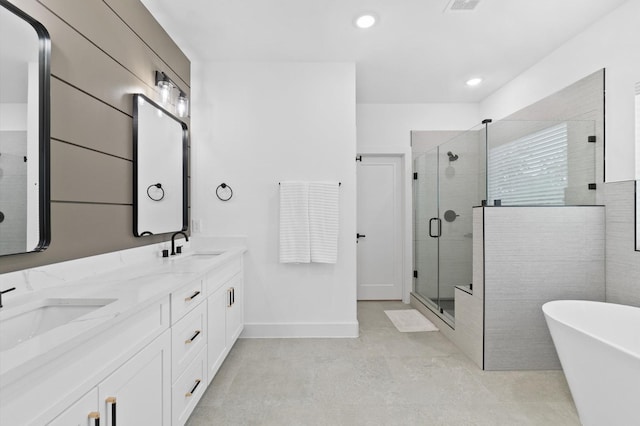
{"x": 182, "y": 105}
{"x": 166, "y": 86}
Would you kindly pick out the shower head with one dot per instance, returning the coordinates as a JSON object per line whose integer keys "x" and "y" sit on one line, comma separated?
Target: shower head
{"x": 452, "y": 156}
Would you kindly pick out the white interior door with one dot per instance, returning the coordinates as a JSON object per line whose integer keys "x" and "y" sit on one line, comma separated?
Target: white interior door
{"x": 380, "y": 227}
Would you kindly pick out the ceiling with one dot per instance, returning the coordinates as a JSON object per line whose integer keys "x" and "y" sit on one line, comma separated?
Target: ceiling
{"x": 417, "y": 53}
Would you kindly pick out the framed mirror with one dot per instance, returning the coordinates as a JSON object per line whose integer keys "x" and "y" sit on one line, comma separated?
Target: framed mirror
{"x": 25, "y": 51}
{"x": 159, "y": 169}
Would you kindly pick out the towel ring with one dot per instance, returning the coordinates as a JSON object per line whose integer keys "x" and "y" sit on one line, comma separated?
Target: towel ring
{"x": 158, "y": 194}
{"x": 224, "y": 192}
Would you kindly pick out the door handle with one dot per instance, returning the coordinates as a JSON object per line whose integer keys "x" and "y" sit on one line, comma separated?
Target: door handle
{"x": 193, "y": 296}
{"x": 360, "y": 235}
{"x": 193, "y": 389}
{"x": 96, "y": 417}
{"x": 112, "y": 400}
{"x": 195, "y": 334}
{"x": 439, "y": 234}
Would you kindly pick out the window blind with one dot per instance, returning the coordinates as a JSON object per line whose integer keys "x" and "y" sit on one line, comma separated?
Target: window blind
{"x": 530, "y": 170}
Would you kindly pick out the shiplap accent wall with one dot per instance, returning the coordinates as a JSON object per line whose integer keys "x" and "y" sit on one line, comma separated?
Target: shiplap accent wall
{"x": 103, "y": 51}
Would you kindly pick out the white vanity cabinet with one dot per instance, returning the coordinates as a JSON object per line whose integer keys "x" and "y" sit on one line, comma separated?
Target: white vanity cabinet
{"x": 150, "y": 366}
{"x": 139, "y": 393}
{"x": 185, "y": 299}
{"x": 217, "y": 330}
{"x": 235, "y": 309}
{"x": 188, "y": 350}
{"x": 189, "y": 388}
{"x": 188, "y": 339}
{"x": 225, "y": 312}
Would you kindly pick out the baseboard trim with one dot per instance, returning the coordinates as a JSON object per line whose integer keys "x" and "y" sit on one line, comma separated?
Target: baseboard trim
{"x": 300, "y": 330}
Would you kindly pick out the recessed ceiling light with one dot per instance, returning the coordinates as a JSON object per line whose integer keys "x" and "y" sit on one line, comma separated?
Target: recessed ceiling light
{"x": 474, "y": 81}
{"x": 366, "y": 20}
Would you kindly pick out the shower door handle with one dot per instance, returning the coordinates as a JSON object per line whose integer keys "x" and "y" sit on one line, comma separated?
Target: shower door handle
{"x": 439, "y": 222}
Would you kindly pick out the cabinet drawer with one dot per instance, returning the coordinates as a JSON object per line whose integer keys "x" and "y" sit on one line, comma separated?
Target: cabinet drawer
{"x": 188, "y": 389}
{"x": 85, "y": 411}
{"x": 188, "y": 337}
{"x": 216, "y": 278}
{"x": 185, "y": 299}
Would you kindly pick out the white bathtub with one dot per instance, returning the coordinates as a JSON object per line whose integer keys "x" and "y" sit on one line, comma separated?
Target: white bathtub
{"x": 599, "y": 348}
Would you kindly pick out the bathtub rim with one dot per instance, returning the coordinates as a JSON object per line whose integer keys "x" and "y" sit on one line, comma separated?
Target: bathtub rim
{"x": 546, "y": 307}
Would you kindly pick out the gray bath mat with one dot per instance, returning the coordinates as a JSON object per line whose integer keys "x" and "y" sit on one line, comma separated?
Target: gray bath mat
{"x": 410, "y": 320}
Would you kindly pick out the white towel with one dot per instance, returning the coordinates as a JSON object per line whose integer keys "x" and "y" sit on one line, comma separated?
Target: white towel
{"x": 323, "y": 221}
{"x": 294, "y": 222}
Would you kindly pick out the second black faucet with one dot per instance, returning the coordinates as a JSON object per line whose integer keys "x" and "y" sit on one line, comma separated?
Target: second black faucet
{"x": 173, "y": 242}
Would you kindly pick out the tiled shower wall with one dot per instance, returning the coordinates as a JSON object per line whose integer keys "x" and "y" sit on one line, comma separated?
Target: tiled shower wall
{"x": 622, "y": 261}
{"x": 103, "y": 51}
{"x": 13, "y": 188}
{"x": 533, "y": 255}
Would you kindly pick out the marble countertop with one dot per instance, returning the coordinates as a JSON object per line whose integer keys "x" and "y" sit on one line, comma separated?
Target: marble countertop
{"x": 132, "y": 288}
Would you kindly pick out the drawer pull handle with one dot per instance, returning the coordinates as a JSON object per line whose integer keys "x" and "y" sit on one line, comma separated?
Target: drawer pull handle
{"x": 96, "y": 417}
{"x": 112, "y": 400}
{"x": 193, "y": 296}
{"x": 186, "y": 342}
{"x": 190, "y": 393}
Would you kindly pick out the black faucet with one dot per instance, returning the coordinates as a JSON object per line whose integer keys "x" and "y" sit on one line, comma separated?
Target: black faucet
{"x": 173, "y": 242}
{"x": 3, "y": 292}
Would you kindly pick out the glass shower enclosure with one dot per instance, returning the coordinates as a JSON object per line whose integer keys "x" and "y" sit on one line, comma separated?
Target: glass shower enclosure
{"x": 504, "y": 163}
{"x": 448, "y": 183}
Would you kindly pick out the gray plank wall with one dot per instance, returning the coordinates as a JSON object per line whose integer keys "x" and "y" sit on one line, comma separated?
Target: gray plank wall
{"x": 533, "y": 255}
{"x": 623, "y": 262}
{"x": 103, "y": 51}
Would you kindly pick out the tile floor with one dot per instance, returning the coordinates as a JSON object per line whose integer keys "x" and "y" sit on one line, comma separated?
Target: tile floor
{"x": 384, "y": 377}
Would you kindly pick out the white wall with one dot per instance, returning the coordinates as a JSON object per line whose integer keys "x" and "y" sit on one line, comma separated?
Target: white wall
{"x": 14, "y": 117}
{"x": 385, "y": 125}
{"x": 253, "y": 125}
{"x": 613, "y": 43}
{"x": 386, "y": 129}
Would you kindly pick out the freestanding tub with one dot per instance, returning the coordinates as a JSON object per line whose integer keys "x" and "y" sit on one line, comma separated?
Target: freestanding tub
{"x": 599, "y": 348}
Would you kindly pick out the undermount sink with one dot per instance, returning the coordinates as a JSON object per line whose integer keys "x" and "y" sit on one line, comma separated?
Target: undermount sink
{"x": 199, "y": 255}
{"x": 44, "y": 316}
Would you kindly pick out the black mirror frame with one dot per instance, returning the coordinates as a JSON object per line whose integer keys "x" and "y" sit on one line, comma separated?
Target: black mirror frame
{"x": 44, "y": 126}
{"x": 185, "y": 167}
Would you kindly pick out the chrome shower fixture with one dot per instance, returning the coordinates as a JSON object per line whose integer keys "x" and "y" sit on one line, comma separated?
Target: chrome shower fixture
{"x": 452, "y": 156}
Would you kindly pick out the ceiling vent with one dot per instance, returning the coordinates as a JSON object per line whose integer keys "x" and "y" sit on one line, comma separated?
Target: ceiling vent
{"x": 461, "y": 5}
